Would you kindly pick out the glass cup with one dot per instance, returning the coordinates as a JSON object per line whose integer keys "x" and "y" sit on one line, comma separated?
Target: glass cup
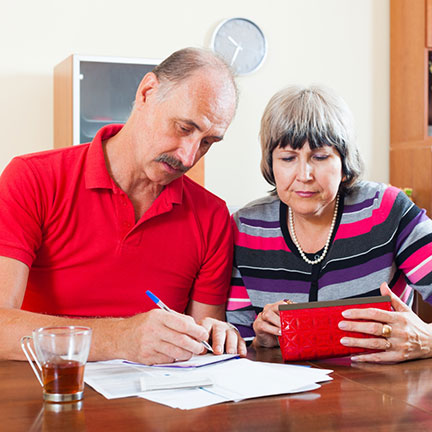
{"x": 61, "y": 354}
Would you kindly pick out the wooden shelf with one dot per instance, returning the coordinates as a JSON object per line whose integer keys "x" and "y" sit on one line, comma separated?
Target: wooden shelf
{"x": 410, "y": 144}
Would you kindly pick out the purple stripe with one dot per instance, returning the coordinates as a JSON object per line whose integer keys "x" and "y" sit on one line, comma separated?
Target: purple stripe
{"x": 276, "y": 285}
{"x": 245, "y": 331}
{"x": 421, "y": 217}
{"x": 429, "y": 299}
{"x": 260, "y": 223}
{"x": 360, "y": 206}
{"x": 352, "y": 273}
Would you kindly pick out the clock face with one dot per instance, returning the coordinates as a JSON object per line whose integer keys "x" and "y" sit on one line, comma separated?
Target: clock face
{"x": 241, "y": 43}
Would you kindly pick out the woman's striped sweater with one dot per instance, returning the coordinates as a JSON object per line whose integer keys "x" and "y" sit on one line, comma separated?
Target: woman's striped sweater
{"x": 380, "y": 236}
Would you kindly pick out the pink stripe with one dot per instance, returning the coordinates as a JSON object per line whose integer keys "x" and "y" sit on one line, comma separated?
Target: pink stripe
{"x": 259, "y": 243}
{"x": 399, "y": 288}
{"x": 237, "y": 305}
{"x": 421, "y": 272}
{"x": 416, "y": 258}
{"x": 405, "y": 297}
{"x": 238, "y": 292}
{"x": 378, "y": 216}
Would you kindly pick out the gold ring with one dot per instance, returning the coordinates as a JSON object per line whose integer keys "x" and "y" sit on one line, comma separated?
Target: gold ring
{"x": 386, "y": 331}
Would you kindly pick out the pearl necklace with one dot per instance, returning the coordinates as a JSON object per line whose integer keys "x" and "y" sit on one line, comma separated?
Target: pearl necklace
{"x": 296, "y": 242}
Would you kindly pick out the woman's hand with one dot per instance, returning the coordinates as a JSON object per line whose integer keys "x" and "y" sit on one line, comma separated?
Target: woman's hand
{"x": 267, "y": 325}
{"x": 410, "y": 337}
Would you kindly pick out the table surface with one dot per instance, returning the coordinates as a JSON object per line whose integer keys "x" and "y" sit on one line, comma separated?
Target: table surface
{"x": 361, "y": 396}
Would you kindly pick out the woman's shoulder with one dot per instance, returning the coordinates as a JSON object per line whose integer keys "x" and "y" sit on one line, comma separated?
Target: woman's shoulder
{"x": 265, "y": 209}
{"x": 365, "y": 190}
{"x": 373, "y": 195}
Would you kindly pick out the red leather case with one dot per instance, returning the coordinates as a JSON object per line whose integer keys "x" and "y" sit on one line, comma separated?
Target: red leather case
{"x": 310, "y": 330}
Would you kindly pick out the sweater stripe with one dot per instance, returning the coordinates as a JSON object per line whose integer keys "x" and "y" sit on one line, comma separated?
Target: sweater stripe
{"x": 381, "y": 236}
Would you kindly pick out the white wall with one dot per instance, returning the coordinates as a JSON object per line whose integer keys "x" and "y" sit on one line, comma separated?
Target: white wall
{"x": 343, "y": 44}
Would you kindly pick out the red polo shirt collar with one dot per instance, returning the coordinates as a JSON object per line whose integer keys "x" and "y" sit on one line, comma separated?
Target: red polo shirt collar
{"x": 97, "y": 176}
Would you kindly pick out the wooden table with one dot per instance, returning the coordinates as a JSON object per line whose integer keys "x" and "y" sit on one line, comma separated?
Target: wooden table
{"x": 361, "y": 397}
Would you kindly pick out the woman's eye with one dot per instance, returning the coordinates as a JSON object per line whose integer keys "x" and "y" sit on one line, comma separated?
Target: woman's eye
{"x": 321, "y": 157}
{"x": 288, "y": 158}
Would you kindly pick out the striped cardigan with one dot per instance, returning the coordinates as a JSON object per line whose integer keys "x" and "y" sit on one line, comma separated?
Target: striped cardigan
{"x": 380, "y": 236}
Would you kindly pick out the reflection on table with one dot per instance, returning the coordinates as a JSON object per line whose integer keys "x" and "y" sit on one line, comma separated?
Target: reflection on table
{"x": 378, "y": 397}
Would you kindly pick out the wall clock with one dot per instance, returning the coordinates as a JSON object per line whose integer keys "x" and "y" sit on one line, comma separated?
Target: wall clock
{"x": 241, "y": 43}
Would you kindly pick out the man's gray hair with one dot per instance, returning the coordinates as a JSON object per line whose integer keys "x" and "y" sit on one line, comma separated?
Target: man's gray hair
{"x": 182, "y": 64}
{"x": 296, "y": 115}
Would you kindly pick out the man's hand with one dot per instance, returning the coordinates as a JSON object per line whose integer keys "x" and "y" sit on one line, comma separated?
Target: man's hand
{"x": 224, "y": 334}
{"x": 159, "y": 336}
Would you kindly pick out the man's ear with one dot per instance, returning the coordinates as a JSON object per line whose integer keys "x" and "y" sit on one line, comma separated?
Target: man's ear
{"x": 147, "y": 86}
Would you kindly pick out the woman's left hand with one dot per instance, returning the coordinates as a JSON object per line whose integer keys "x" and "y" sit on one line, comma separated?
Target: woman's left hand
{"x": 410, "y": 337}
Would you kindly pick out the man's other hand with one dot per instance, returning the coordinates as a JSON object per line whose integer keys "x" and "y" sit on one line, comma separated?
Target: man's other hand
{"x": 225, "y": 337}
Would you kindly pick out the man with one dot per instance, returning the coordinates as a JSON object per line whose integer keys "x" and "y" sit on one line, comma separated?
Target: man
{"x": 86, "y": 230}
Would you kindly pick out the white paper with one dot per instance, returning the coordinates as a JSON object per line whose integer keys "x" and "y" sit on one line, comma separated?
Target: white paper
{"x": 233, "y": 380}
{"x": 193, "y": 362}
{"x": 174, "y": 381}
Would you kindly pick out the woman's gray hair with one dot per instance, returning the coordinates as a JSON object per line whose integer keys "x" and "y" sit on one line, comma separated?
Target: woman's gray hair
{"x": 296, "y": 115}
{"x": 182, "y": 64}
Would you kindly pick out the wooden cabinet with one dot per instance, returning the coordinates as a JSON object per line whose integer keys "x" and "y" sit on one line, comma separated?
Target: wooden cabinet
{"x": 92, "y": 91}
{"x": 410, "y": 142}
{"x": 411, "y": 106}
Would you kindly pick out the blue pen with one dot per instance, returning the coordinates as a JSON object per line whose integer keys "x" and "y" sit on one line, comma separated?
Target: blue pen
{"x": 159, "y": 303}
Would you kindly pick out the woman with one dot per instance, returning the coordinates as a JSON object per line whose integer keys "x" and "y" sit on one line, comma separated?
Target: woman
{"x": 323, "y": 234}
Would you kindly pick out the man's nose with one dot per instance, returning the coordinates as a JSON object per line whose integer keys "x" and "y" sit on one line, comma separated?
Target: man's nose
{"x": 188, "y": 151}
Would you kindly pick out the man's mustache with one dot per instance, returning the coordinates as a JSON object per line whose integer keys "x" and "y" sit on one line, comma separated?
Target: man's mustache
{"x": 172, "y": 161}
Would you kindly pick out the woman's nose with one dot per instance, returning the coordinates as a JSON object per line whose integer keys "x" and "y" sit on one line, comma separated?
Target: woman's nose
{"x": 304, "y": 171}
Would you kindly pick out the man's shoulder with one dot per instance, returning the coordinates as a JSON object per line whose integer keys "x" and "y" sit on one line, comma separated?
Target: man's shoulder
{"x": 200, "y": 194}
{"x": 48, "y": 164}
{"x": 48, "y": 156}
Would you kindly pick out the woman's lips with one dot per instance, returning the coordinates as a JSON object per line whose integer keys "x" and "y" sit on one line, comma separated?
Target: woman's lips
{"x": 305, "y": 194}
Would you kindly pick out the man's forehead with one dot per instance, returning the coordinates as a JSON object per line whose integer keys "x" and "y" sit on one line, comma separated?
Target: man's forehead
{"x": 213, "y": 82}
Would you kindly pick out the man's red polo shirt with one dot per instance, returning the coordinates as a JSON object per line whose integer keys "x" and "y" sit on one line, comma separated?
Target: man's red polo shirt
{"x": 63, "y": 216}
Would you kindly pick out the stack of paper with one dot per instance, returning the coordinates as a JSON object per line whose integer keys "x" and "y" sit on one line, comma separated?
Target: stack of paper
{"x": 224, "y": 381}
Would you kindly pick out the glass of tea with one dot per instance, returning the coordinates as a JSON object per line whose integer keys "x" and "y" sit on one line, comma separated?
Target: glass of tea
{"x": 61, "y": 354}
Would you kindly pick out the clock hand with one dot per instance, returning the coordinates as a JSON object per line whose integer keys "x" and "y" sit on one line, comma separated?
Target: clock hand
{"x": 236, "y": 53}
{"x": 233, "y": 41}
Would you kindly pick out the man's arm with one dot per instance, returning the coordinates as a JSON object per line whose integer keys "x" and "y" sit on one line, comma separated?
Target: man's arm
{"x": 223, "y": 334}
{"x": 153, "y": 337}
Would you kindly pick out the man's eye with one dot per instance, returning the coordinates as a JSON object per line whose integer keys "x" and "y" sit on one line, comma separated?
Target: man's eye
{"x": 184, "y": 129}
{"x": 288, "y": 159}
{"x": 206, "y": 143}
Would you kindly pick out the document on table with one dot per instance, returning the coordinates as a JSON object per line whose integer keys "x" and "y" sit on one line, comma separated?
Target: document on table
{"x": 194, "y": 362}
{"x": 232, "y": 380}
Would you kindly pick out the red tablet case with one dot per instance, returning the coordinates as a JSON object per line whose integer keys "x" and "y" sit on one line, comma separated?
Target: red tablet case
{"x": 310, "y": 330}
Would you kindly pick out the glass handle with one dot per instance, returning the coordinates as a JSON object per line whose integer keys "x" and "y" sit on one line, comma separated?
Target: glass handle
{"x": 25, "y": 345}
